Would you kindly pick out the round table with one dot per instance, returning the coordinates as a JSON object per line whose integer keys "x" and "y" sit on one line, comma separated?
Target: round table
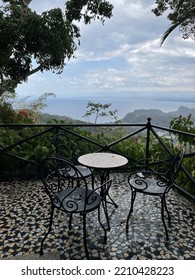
{"x": 103, "y": 162}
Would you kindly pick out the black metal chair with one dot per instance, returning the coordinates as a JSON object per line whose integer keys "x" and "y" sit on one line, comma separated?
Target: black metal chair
{"x": 56, "y": 175}
{"x": 155, "y": 178}
{"x": 63, "y": 146}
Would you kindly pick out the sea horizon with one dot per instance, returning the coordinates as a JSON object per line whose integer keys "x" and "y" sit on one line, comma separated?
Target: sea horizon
{"x": 75, "y": 108}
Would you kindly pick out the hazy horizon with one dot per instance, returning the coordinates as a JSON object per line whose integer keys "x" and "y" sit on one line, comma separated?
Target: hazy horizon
{"x": 76, "y": 107}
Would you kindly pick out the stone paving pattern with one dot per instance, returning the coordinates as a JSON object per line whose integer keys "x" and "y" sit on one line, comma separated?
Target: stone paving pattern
{"x": 25, "y": 210}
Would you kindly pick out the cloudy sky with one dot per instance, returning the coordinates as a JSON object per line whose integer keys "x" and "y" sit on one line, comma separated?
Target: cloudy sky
{"x": 122, "y": 58}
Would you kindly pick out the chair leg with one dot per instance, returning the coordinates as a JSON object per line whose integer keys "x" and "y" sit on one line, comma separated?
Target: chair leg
{"x": 163, "y": 203}
{"x": 133, "y": 195}
{"x": 105, "y": 232}
{"x": 50, "y": 226}
{"x": 85, "y": 236}
{"x": 112, "y": 201}
{"x": 105, "y": 208}
{"x": 169, "y": 216}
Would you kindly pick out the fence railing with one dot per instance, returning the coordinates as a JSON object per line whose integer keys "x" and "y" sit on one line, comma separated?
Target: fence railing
{"x": 22, "y": 147}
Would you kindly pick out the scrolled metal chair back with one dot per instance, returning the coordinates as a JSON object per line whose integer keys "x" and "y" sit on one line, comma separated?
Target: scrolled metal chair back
{"x": 63, "y": 145}
{"x": 174, "y": 168}
{"x": 58, "y": 174}
{"x": 68, "y": 190}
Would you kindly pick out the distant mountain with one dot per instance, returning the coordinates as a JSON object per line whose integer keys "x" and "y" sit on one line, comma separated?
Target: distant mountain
{"x": 158, "y": 117}
{"x": 138, "y": 116}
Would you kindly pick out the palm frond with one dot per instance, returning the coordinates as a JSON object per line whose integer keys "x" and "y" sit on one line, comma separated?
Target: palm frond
{"x": 181, "y": 20}
{"x": 167, "y": 32}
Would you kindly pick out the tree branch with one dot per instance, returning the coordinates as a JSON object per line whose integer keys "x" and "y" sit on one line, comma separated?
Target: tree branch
{"x": 13, "y": 83}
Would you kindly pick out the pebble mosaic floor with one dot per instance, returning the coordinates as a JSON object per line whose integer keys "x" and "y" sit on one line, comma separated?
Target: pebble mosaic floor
{"x": 25, "y": 209}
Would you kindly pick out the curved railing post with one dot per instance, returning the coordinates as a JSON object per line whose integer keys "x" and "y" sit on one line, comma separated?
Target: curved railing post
{"x": 148, "y": 138}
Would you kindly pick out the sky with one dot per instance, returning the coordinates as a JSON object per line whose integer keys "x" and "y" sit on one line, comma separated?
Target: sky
{"x": 121, "y": 59}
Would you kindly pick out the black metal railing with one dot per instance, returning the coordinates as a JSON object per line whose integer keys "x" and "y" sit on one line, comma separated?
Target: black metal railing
{"x": 23, "y": 146}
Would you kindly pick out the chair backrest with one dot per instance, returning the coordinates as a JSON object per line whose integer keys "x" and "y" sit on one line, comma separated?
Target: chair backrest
{"x": 58, "y": 174}
{"x": 66, "y": 186}
{"x": 174, "y": 168}
{"x": 63, "y": 145}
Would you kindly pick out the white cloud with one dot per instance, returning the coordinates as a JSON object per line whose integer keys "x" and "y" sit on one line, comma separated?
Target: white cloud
{"x": 122, "y": 56}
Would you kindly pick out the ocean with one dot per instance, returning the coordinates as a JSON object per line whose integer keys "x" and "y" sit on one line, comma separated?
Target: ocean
{"x": 76, "y": 107}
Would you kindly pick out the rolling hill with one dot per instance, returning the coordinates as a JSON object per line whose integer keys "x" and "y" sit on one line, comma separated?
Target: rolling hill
{"x": 158, "y": 117}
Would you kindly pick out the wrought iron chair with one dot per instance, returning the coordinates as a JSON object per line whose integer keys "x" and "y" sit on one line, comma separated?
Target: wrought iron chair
{"x": 56, "y": 175}
{"x": 63, "y": 146}
{"x": 154, "y": 181}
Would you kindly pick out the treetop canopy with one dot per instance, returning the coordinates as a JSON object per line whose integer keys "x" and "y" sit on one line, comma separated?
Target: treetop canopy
{"x": 30, "y": 42}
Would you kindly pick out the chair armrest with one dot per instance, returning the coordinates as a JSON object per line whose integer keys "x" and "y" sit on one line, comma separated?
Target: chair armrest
{"x": 159, "y": 166}
{"x": 102, "y": 189}
{"x": 144, "y": 174}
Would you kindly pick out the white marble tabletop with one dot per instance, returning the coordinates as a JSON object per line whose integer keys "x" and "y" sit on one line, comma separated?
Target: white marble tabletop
{"x": 102, "y": 160}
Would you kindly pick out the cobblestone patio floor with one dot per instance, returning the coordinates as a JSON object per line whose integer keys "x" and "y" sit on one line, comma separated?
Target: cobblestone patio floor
{"x": 25, "y": 210}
